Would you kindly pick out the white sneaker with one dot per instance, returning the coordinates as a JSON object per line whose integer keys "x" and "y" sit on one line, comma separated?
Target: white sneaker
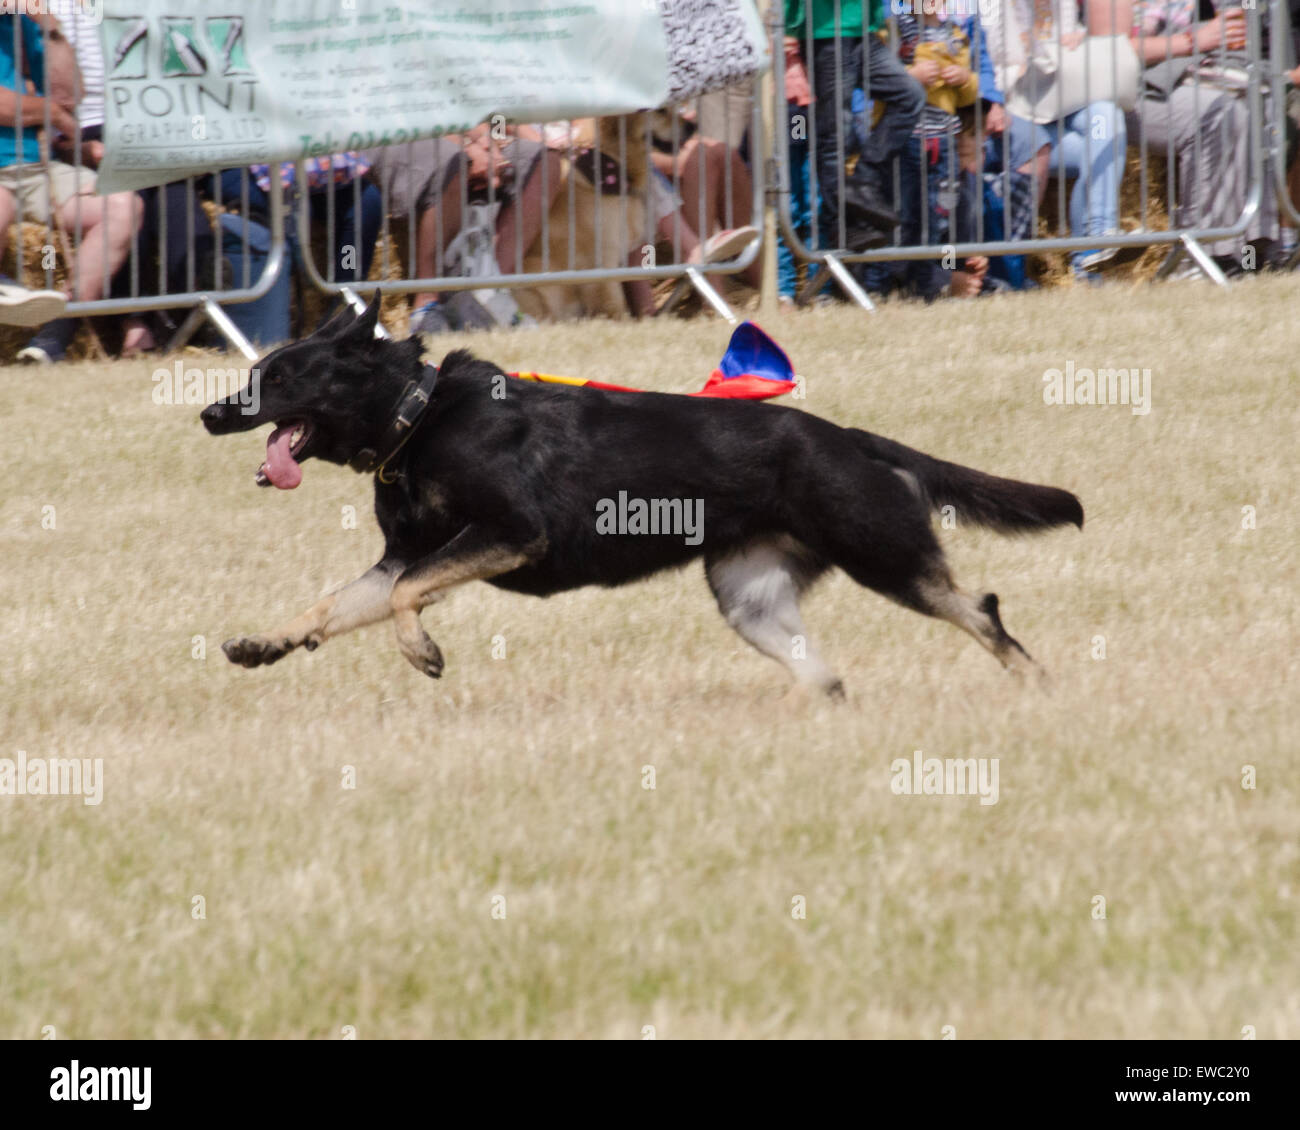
{"x": 34, "y": 355}
{"x": 725, "y": 245}
{"x": 22, "y": 307}
{"x": 1106, "y": 257}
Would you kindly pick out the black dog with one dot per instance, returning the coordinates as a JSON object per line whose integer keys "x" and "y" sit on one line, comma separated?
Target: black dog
{"x": 539, "y": 488}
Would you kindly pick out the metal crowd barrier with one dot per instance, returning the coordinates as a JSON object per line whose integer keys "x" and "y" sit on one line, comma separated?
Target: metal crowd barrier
{"x": 128, "y": 289}
{"x": 1283, "y": 57}
{"x": 827, "y": 253}
{"x": 615, "y": 242}
{"x": 619, "y": 245}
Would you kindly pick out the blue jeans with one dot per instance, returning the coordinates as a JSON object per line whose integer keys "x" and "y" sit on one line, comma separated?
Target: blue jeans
{"x": 354, "y": 233}
{"x": 935, "y": 205}
{"x": 1090, "y": 149}
{"x": 889, "y": 84}
{"x": 801, "y": 210}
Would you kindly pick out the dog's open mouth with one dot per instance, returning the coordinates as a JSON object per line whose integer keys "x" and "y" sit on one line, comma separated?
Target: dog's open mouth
{"x": 283, "y": 449}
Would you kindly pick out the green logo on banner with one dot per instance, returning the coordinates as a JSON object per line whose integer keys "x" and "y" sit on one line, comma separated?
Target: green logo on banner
{"x": 191, "y": 47}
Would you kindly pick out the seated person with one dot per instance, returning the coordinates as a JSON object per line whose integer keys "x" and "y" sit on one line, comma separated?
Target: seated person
{"x": 106, "y": 223}
{"x": 174, "y": 245}
{"x": 433, "y": 181}
{"x": 1087, "y": 144}
{"x": 716, "y": 193}
{"x": 416, "y": 182}
{"x": 1203, "y": 126}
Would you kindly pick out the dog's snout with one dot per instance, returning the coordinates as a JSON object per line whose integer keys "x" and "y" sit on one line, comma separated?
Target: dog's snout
{"x": 214, "y": 415}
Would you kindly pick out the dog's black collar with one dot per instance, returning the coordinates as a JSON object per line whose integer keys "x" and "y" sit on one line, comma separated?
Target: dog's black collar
{"x": 411, "y": 406}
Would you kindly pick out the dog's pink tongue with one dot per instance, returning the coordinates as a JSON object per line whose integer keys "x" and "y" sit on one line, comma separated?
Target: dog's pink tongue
{"x": 281, "y": 467}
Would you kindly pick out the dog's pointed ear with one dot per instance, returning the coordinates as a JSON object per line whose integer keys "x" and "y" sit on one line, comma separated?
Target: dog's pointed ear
{"x": 362, "y": 331}
{"x": 337, "y": 323}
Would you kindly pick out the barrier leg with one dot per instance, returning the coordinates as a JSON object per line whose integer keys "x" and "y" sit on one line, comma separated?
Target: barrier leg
{"x": 694, "y": 278}
{"x": 218, "y": 317}
{"x": 848, "y": 284}
{"x": 1203, "y": 260}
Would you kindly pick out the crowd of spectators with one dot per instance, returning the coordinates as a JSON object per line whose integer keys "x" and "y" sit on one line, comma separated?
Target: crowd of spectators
{"x": 972, "y": 119}
{"x": 922, "y": 126}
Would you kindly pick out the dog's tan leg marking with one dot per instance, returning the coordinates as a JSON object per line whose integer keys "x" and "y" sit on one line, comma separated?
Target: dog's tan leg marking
{"x": 978, "y": 616}
{"x": 366, "y": 600}
{"x": 421, "y": 585}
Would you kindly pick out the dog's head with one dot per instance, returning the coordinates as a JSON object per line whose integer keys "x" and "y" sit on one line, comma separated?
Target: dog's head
{"x": 329, "y": 395}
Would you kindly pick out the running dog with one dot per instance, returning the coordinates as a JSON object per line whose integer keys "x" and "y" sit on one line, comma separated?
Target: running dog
{"x": 538, "y": 488}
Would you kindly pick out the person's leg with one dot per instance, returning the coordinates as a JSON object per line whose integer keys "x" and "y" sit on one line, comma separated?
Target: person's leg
{"x": 351, "y": 260}
{"x": 108, "y": 224}
{"x": 700, "y": 184}
{"x": 881, "y": 278}
{"x": 1092, "y": 150}
{"x": 735, "y": 200}
{"x": 1225, "y": 149}
{"x": 1030, "y": 152}
{"x": 420, "y": 182}
{"x": 787, "y": 269}
{"x": 347, "y": 251}
{"x": 354, "y": 242}
{"x": 372, "y": 219}
{"x": 438, "y": 225}
{"x": 717, "y": 189}
{"x": 185, "y": 220}
{"x": 902, "y": 99}
{"x": 833, "y": 94}
{"x": 1183, "y": 128}
{"x": 520, "y": 221}
{"x": 930, "y": 276}
{"x": 736, "y": 186}
{"x": 137, "y": 335}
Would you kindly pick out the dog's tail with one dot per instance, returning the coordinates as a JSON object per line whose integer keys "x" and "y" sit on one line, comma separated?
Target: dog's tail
{"x": 1006, "y": 505}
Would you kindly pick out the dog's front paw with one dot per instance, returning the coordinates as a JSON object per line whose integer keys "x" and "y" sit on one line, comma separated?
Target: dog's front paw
{"x": 255, "y": 651}
{"x": 425, "y": 657}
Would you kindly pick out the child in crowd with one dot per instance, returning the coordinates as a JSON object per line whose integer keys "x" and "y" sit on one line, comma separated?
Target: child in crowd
{"x": 936, "y": 185}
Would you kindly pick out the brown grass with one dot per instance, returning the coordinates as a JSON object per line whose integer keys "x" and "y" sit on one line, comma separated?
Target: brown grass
{"x": 521, "y": 776}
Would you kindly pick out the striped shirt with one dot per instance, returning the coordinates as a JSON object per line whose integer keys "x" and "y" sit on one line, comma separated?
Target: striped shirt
{"x": 935, "y": 121}
{"x": 83, "y": 34}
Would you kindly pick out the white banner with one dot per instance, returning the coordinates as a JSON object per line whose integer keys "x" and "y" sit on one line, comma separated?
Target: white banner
{"x": 193, "y": 87}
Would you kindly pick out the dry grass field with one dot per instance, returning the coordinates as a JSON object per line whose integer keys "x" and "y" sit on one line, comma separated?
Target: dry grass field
{"x": 499, "y": 870}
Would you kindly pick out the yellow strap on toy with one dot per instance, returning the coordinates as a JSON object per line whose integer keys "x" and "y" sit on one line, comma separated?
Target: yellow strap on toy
{"x": 551, "y": 378}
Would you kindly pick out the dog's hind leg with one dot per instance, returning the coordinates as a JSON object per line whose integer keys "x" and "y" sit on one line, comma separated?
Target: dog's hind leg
{"x": 366, "y": 600}
{"x": 758, "y": 589}
{"x": 936, "y": 595}
{"x": 906, "y": 563}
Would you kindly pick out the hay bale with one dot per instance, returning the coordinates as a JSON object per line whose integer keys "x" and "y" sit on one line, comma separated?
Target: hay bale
{"x": 34, "y": 240}
{"x": 1052, "y": 268}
